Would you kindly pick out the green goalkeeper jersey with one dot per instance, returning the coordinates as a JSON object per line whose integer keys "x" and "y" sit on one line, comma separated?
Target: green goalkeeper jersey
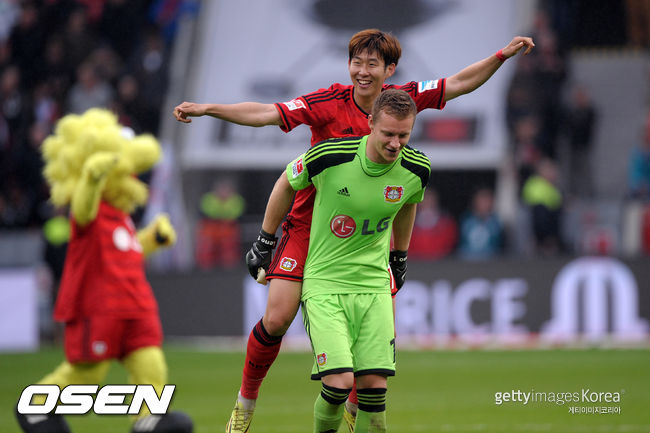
{"x": 356, "y": 202}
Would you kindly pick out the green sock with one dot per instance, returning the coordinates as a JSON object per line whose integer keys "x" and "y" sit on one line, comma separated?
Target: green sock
{"x": 371, "y": 416}
{"x": 328, "y": 409}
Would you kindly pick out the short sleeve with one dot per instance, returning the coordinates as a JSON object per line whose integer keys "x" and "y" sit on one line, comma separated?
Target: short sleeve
{"x": 416, "y": 197}
{"x": 427, "y": 94}
{"x": 297, "y": 173}
{"x": 313, "y": 109}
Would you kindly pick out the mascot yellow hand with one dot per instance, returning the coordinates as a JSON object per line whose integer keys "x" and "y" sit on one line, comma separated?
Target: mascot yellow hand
{"x": 165, "y": 233}
{"x": 99, "y": 165}
{"x": 158, "y": 234}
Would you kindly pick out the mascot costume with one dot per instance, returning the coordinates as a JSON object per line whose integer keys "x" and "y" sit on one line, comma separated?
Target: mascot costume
{"x": 107, "y": 305}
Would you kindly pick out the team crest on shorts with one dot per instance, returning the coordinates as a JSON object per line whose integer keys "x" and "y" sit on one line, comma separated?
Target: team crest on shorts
{"x": 393, "y": 194}
{"x": 321, "y": 359}
{"x": 288, "y": 264}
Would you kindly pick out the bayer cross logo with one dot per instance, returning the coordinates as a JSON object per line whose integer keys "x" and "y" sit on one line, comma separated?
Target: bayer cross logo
{"x": 343, "y": 226}
{"x": 393, "y": 194}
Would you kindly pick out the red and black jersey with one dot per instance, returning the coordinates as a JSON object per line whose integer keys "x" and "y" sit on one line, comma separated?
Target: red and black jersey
{"x": 104, "y": 270}
{"x": 332, "y": 113}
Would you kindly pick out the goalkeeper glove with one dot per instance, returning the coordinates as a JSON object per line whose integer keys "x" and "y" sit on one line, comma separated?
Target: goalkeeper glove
{"x": 397, "y": 261}
{"x": 259, "y": 256}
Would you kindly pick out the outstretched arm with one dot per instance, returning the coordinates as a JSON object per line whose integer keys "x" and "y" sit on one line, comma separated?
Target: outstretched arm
{"x": 243, "y": 113}
{"x": 475, "y": 75}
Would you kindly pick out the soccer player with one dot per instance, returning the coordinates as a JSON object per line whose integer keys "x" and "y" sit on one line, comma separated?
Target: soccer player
{"x": 338, "y": 111}
{"x": 366, "y": 188}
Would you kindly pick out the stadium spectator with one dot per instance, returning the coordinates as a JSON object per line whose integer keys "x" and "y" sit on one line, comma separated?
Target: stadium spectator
{"x": 27, "y": 42}
{"x": 46, "y": 66}
{"x": 149, "y": 64}
{"x": 579, "y": 123}
{"x": 550, "y": 74}
{"x": 543, "y": 197}
{"x": 638, "y": 23}
{"x": 341, "y": 110}
{"x": 78, "y": 37}
{"x": 481, "y": 232}
{"x": 218, "y": 236}
{"x": 56, "y": 72}
{"x": 127, "y": 104}
{"x": 532, "y": 110}
{"x": 90, "y": 91}
{"x": 527, "y": 152}
{"x": 639, "y": 168}
{"x": 13, "y": 103}
{"x": 435, "y": 232}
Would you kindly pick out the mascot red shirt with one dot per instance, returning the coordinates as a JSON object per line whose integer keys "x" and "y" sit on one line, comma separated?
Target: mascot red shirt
{"x": 104, "y": 270}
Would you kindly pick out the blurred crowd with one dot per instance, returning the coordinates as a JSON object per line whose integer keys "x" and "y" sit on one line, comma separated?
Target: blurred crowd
{"x": 62, "y": 56}
{"x": 65, "y": 56}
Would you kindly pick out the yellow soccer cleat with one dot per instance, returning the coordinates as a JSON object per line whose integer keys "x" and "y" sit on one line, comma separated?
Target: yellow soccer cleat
{"x": 240, "y": 419}
{"x": 349, "y": 419}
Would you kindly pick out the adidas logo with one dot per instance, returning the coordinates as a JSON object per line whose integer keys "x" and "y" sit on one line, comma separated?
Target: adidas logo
{"x": 348, "y": 130}
{"x": 344, "y": 191}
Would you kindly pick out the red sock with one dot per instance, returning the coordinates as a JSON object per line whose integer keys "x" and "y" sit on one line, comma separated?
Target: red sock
{"x": 261, "y": 351}
{"x": 352, "y": 398}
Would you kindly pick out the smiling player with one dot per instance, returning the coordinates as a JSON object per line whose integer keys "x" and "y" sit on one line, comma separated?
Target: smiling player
{"x": 338, "y": 111}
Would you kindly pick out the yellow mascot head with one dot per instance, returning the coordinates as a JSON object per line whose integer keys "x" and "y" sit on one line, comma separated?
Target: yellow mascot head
{"x": 79, "y": 137}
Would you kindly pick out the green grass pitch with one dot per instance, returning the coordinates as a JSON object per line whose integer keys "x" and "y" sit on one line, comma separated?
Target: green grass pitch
{"x": 434, "y": 391}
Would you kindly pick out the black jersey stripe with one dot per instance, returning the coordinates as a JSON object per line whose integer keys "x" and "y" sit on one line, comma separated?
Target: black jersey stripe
{"x": 341, "y": 140}
{"x": 417, "y": 169}
{"x": 320, "y": 94}
{"x": 324, "y": 96}
{"x": 339, "y": 94}
{"x": 416, "y": 156}
{"x": 285, "y": 119}
{"x": 340, "y": 144}
{"x": 409, "y": 87}
{"x": 329, "y": 98}
{"x": 335, "y": 142}
{"x": 420, "y": 163}
{"x": 442, "y": 92}
{"x": 411, "y": 151}
{"x": 328, "y": 160}
{"x": 416, "y": 159}
{"x": 324, "y": 152}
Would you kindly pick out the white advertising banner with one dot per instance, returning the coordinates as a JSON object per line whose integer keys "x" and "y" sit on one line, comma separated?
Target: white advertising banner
{"x": 18, "y": 310}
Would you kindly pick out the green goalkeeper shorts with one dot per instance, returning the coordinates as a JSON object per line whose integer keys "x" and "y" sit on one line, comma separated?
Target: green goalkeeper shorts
{"x": 351, "y": 333}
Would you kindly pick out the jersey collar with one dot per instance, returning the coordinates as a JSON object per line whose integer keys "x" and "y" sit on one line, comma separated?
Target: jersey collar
{"x": 372, "y": 168}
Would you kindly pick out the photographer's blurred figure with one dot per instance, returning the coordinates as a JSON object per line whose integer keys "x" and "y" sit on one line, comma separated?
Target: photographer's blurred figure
{"x": 481, "y": 232}
{"x": 544, "y": 199}
{"x": 218, "y": 241}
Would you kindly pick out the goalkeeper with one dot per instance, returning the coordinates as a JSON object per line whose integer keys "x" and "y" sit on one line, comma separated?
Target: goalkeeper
{"x": 366, "y": 188}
